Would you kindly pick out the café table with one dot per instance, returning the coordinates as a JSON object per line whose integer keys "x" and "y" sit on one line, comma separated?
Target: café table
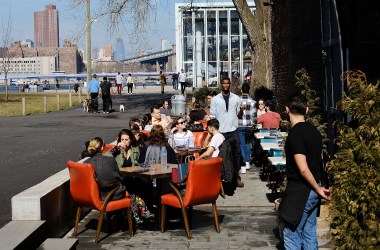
{"x": 277, "y": 160}
{"x": 262, "y": 135}
{"x": 155, "y": 172}
{"x": 183, "y": 153}
{"x": 266, "y": 146}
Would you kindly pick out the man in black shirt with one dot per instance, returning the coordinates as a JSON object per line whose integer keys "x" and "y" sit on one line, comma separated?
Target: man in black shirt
{"x": 300, "y": 203}
{"x": 105, "y": 88}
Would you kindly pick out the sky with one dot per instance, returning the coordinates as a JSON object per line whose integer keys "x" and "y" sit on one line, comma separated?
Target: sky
{"x": 72, "y": 24}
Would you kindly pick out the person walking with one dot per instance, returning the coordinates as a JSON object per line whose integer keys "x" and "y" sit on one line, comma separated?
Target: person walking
{"x": 175, "y": 80}
{"x": 130, "y": 84}
{"x": 162, "y": 81}
{"x": 182, "y": 80}
{"x": 119, "y": 83}
{"x": 247, "y": 118}
{"x": 94, "y": 90}
{"x": 299, "y": 205}
{"x": 225, "y": 107}
{"x": 105, "y": 89}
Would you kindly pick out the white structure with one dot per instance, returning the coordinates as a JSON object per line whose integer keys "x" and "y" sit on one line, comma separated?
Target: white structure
{"x": 211, "y": 42}
{"x": 165, "y": 44}
{"x": 42, "y": 65}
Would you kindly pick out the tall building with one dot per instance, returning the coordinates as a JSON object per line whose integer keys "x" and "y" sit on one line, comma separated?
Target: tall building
{"x": 211, "y": 42}
{"x": 107, "y": 53}
{"x": 119, "y": 53}
{"x": 46, "y": 27}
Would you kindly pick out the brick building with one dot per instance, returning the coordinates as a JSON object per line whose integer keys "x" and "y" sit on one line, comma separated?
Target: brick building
{"x": 46, "y": 27}
{"x": 326, "y": 37}
{"x": 67, "y": 58}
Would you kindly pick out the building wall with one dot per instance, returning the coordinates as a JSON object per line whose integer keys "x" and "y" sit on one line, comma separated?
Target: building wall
{"x": 68, "y": 58}
{"x": 296, "y": 38}
{"x": 31, "y": 65}
{"x": 46, "y": 27}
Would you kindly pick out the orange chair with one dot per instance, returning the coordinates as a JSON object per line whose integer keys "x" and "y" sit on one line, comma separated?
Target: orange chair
{"x": 146, "y": 132}
{"x": 107, "y": 147}
{"x": 203, "y": 184}
{"x": 199, "y": 137}
{"x": 84, "y": 189}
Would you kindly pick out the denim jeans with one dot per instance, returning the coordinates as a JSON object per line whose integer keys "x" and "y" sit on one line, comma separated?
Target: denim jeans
{"x": 245, "y": 142}
{"x": 305, "y": 235}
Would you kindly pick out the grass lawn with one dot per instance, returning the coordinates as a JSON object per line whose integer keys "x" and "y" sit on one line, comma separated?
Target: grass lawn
{"x": 35, "y": 102}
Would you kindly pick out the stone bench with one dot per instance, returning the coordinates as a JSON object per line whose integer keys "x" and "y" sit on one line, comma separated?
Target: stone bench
{"x": 58, "y": 244}
{"x": 22, "y": 234}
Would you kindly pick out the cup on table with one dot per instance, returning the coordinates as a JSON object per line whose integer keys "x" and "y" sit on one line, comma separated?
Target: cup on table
{"x": 151, "y": 161}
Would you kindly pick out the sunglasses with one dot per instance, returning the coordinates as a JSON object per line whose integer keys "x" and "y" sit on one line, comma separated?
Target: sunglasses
{"x": 181, "y": 123}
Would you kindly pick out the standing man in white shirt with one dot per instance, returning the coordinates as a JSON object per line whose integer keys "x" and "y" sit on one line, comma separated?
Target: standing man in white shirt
{"x": 119, "y": 83}
{"x": 182, "y": 80}
{"x": 225, "y": 107}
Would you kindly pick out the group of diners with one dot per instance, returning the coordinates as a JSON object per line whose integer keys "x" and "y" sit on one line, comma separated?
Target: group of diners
{"x": 142, "y": 142}
{"x": 135, "y": 147}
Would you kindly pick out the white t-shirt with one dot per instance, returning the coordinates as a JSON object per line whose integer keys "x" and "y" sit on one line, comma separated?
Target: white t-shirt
{"x": 215, "y": 142}
{"x": 129, "y": 79}
{"x": 119, "y": 79}
{"x": 183, "y": 138}
{"x": 182, "y": 77}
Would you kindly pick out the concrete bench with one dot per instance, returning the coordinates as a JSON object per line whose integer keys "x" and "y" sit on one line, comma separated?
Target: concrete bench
{"x": 22, "y": 234}
{"x": 58, "y": 244}
{"x": 50, "y": 201}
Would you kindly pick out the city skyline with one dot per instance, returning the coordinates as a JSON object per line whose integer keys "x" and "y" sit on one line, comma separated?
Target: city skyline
{"x": 70, "y": 24}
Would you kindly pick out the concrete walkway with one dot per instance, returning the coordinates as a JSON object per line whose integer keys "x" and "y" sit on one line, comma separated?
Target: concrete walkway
{"x": 247, "y": 221}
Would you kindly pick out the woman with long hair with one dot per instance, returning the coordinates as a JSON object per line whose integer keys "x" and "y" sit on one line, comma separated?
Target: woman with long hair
{"x": 126, "y": 152}
{"x": 156, "y": 141}
{"x": 181, "y": 136}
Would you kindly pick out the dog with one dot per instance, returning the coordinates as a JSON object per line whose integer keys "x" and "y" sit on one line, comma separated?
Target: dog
{"x": 86, "y": 104}
{"x": 121, "y": 108}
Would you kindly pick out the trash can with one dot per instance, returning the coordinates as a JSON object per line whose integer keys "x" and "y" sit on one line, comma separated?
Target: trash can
{"x": 178, "y": 105}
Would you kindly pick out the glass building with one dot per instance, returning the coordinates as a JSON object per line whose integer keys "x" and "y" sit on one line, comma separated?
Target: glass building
{"x": 211, "y": 43}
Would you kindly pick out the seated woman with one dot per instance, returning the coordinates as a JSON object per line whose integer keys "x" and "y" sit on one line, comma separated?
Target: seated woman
{"x": 156, "y": 141}
{"x": 181, "y": 136}
{"x": 141, "y": 138}
{"x": 216, "y": 140}
{"x": 126, "y": 152}
{"x": 107, "y": 171}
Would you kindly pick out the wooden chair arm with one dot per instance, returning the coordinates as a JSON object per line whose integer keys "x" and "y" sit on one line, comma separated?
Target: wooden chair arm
{"x": 176, "y": 191}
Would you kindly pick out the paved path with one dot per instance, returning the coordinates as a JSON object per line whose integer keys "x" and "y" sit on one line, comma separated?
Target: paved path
{"x": 36, "y": 147}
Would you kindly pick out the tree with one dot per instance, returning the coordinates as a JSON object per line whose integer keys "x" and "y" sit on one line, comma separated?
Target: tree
{"x": 258, "y": 30}
{"x": 7, "y": 54}
{"x": 356, "y": 166}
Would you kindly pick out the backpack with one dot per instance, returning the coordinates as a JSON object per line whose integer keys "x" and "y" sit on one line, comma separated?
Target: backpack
{"x": 105, "y": 86}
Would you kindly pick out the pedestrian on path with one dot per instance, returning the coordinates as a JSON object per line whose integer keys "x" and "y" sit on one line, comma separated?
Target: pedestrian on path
{"x": 182, "y": 80}
{"x": 162, "y": 81}
{"x": 105, "y": 89}
{"x": 94, "y": 89}
{"x": 130, "y": 84}
{"x": 119, "y": 83}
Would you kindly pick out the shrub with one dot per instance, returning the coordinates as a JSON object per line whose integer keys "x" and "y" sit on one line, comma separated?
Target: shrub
{"x": 201, "y": 94}
{"x": 356, "y": 166}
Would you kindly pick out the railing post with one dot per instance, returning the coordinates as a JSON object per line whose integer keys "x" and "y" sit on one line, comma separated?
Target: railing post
{"x": 45, "y": 104}
{"x": 23, "y": 106}
{"x": 80, "y": 94}
{"x": 70, "y": 101}
{"x": 58, "y": 103}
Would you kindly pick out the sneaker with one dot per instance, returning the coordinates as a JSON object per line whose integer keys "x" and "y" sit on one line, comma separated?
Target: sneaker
{"x": 247, "y": 165}
{"x": 243, "y": 170}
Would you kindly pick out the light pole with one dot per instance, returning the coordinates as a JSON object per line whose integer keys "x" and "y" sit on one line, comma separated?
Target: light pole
{"x": 88, "y": 42}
